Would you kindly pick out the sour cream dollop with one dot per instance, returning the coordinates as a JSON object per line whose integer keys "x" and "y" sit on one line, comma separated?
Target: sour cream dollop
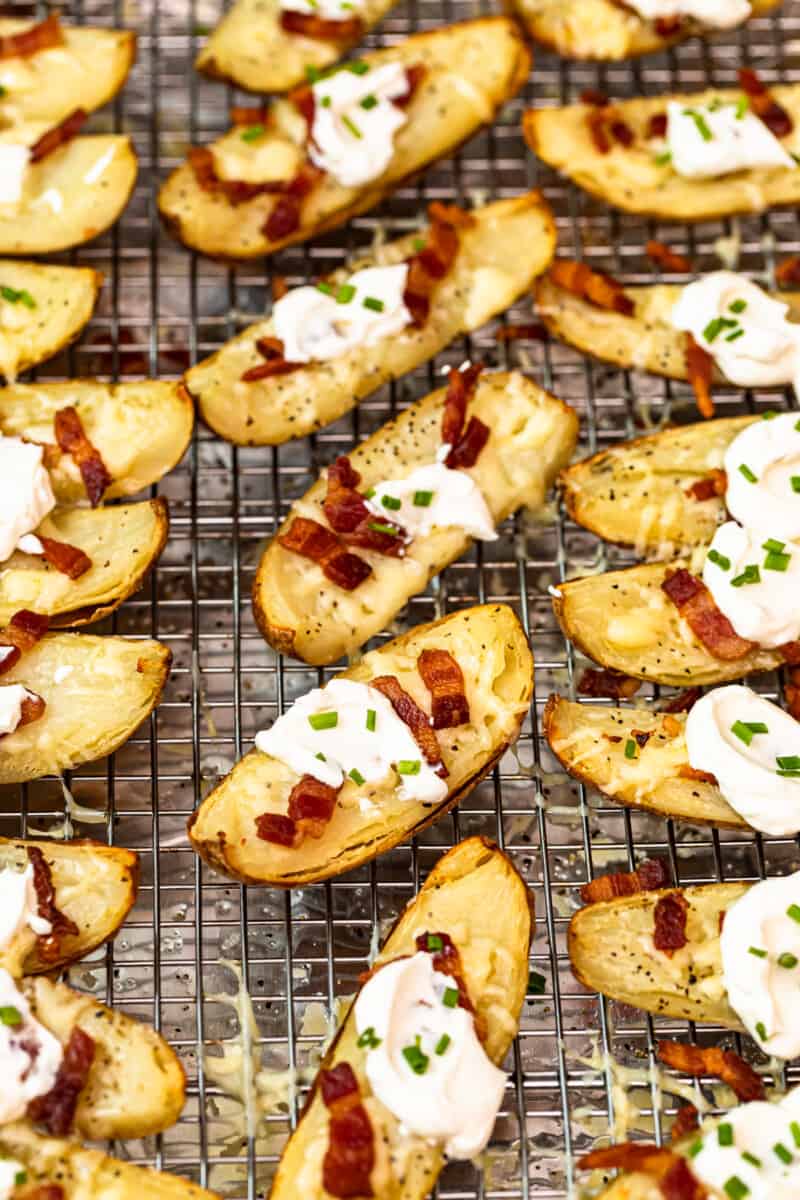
{"x": 765, "y": 1133}
{"x": 756, "y": 587}
{"x": 19, "y": 906}
{"x": 456, "y": 1092}
{"x": 434, "y": 496}
{"x": 26, "y": 496}
{"x": 355, "y": 120}
{"x": 29, "y": 1054}
{"x": 12, "y": 1176}
{"x": 335, "y": 722}
{"x": 770, "y": 450}
{"x": 760, "y": 943}
{"x": 331, "y": 10}
{"x": 12, "y": 696}
{"x": 706, "y": 140}
{"x": 716, "y": 14}
{"x": 316, "y": 325}
{"x": 742, "y": 738}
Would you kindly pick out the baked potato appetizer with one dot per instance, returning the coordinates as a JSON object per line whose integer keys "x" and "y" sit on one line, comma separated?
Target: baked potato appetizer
{"x": 250, "y": 48}
{"x": 624, "y": 621}
{"x": 603, "y": 29}
{"x": 489, "y": 645}
{"x": 42, "y": 310}
{"x": 590, "y": 743}
{"x": 510, "y": 243}
{"x": 532, "y": 434}
{"x": 95, "y": 887}
{"x": 73, "y": 194}
{"x": 636, "y": 180}
{"x": 84, "y": 1174}
{"x": 78, "y": 67}
{"x": 141, "y": 429}
{"x": 97, "y": 690}
{"x": 471, "y": 69}
{"x": 475, "y": 892}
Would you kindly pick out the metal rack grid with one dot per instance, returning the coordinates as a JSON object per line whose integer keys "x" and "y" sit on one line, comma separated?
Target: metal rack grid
{"x": 163, "y": 308}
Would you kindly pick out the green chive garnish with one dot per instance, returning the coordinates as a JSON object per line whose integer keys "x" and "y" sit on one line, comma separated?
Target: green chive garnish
{"x": 10, "y": 1015}
{"x": 326, "y": 288}
{"x": 695, "y": 1148}
{"x": 750, "y": 574}
{"x": 321, "y": 757}
{"x": 369, "y": 1039}
{"x": 761, "y": 1030}
{"x": 789, "y": 762}
{"x": 700, "y": 122}
{"x": 419, "y": 244}
{"x": 735, "y": 1189}
{"x": 369, "y": 493}
{"x": 408, "y": 766}
{"x": 757, "y": 952}
{"x": 795, "y": 482}
{"x": 714, "y": 328}
{"x": 434, "y": 942}
{"x": 373, "y": 304}
{"x": 372, "y": 718}
{"x": 742, "y": 105}
{"x": 356, "y": 776}
{"x": 793, "y": 911}
{"x": 721, "y": 560}
{"x": 662, "y": 159}
{"x": 357, "y": 67}
{"x": 443, "y": 1043}
{"x": 773, "y": 544}
{"x": 748, "y": 474}
{"x": 746, "y": 730}
{"x": 345, "y": 293}
{"x": 725, "y": 1134}
{"x": 324, "y": 720}
{"x": 776, "y": 561}
{"x": 20, "y": 1179}
{"x": 416, "y": 1059}
{"x": 423, "y": 499}
{"x": 391, "y": 502}
{"x": 733, "y": 337}
{"x": 752, "y": 1159}
{"x": 450, "y": 997}
{"x": 795, "y": 1128}
{"x": 14, "y": 296}
{"x": 630, "y": 748}
{"x": 351, "y": 125}
{"x": 380, "y": 527}
{"x": 787, "y": 961}
{"x": 369, "y": 102}
{"x": 252, "y": 133}
{"x": 738, "y": 306}
{"x": 780, "y": 1151}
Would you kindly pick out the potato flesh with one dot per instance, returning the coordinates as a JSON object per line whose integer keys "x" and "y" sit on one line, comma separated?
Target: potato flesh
{"x": 64, "y": 299}
{"x": 511, "y": 242}
{"x": 490, "y": 647}
{"x": 476, "y": 896}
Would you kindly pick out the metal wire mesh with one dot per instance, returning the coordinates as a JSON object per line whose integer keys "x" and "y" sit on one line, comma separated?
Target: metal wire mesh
{"x": 162, "y": 309}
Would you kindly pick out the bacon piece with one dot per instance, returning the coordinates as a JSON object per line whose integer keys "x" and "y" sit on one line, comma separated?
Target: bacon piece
{"x": 603, "y": 682}
{"x": 432, "y": 262}
{"x": 468, "y": 450}
{"x": 273, "y": 827}
{"x": 466, "y": 443}
{"x": 596, "y": 124}
{"x": 72, "y": 440}
{"x": 668, "y": 26}
{"x": 683, "y": 702}
{"x": 696, "y": 605}
{"x": 621, "y": 132}
{"x": 657, "y": 125}
{"x": 47, "y": 909}
{"x": 45, "y": 1191}
{"x": 651, "y": 873}
{"x": 791, "y": 692}
{"x": 700, "y": 369}
{"x": 412, "y": 715}
{"x": 350, "y": 1156}
{"x": 285, "y": 216}
{"x": 788, "y": 270}
{"x": 764, "y": 105}
{"x": 791, "y": 653}
{"x": 311, "y": 806}
{"x": 714, "y": 484}
{"x": 22, "y": 633}
{"x": 726, "y": 1065}
{"x": 447, "y": 960}
{"x": 270, "y": 348}
{"x": 56, "y": 1109}
{"x": 670, "y": 1170}
{"x": 444, "y": 679}
{"x": 236, "y": 191}
{"x": 314, "y": 541}
{"x": 666, "y": 258}
{"x": 596, "y": 287}
{"x": 414, "y": 77}
{"x": 250, "y": 114}
{"x": 31, "y": 709}
{"x": 669, "y": 921}
{"x": 42, "y": 36}
{"x": 310, "y": 26}
{"x": 530, "y": 331}
{"x": 58, "y": 135}
{"x": 69, "y": 560}
{"x": 594, "y": 97}
{"x": 686, "y": 1121}
{"x": 687, "y": 772}
{"x": 280, "y": 287}
{"x": 348, "y": 514}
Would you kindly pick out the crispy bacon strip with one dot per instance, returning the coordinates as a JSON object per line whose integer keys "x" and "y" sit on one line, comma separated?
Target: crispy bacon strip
{"x": 791, "y": 653}
{"x": 348, "y": 514}
{"x": 530, "y": 331}
{"x": 764, "y": 105}
{"x": 595, "y": 286}
{"x": 683, "y": 702}
{"x": 687, "y": 1120}
{"x": 700, "y": 369}
{"x": 788, "y": 270}
{"x": 668, "y": 26}
{"x": 417, "y": 721}
{"x": 69, "y": 560}
{"x": 696, "y": 605}
{"x": 447, "y": 960}
{"x": 310, "y": 26}
{"x": 466, "y": 444}
{"x": 312, "y": 540}
{"x": 652, "y": 873}
{"x": 603, "y": 682}
{"x": 42, "y": 36}
{"x": 284, "y": 219}
{"x": 271, "y": 349}
{"x": 61, "y": 925}
{"x": 711, "y": 1060}
{"x": 444, "y": 679}
{"x": 311, "y": 806}
{"x": 657, "y": 125}
{"x": 669, "y": 921}
{"x": 72, "y": 440}
{"x": 56, "y": 1109}
{"x": 22, "y": 633}
{"x": 714, "y": 484}
{"x": 433, "y": 261}
{"x": 687, "y": 772}
{"x": 595, "y": 97}
{"x": 670, "y": 1170}
{"x": 58, "y": 135}
{"x": 237, "y": 191}
{"x": 350, "y": 1156}
{"x": 666, "y": 258}
{"x": 605, "y": 124}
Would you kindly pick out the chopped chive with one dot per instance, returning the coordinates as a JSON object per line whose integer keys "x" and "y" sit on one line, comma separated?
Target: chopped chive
{"x": 738, "y": 306}
{"x": 373, "y": 304}
{"x": 750, "y": 574}
{"x": 326, "y": 288}
{"x": 770, "y": 414}
{"x": 351, "y": 125}
{"x": 419, "y": 244}
{"x": 369, "y": 102}
{"x": 662, "y": 159}
{"x": 324, "y": 720}
{"x": 630, "y": 748}
{"x": 3, "y": 91}
{"x": 789, "y": 774}
{"x": 326, "y": 101}
{"x": 721, "y": 560}
{"x": 781, "y": 1152}
{"x": 422, "y": 499}
{"x": 761, "y": 1030}
{"x": 787, "y": 961}
{"x": 752, "y": 1159}
{"x": 369, "y": 1039}
{"x": 450, "y": 997}
{"x": 20, "y": 1178}
{"x": 735, "y": 1189}
{"x": 391, "y": 502}
{"x": 369, "y": 493}
{"x": 773, "y": 544}
{"x": 714, "y": 328}
{"x": 9, "y": 1015}
{"x": 416, "y": 1059}
{"x": 746, "y": 730}
{"x": 357, "y": 67}
{"x": 321, "y": 757}
{"x": 409, "y": 766}
{"x": 380, "y": 527}
{"x": 17, "y": 296}
{"x": 725, "y": 1134}
{"x": 372, "y": 718}
{"x": 795, "y": 1128}
{"x": 733, "y": 337}
{"x": 757, "y": 952}
{"x": 795, "y": 482}
{"x": 345, "y": 293}
{"x": 356, "y": 776}
{"x": 700, "y": 122}
{"x": 252, "y": 133}
{"x": 434, "y": 942}
{"x": 742, "y": 105}
{"x": 695, "y": 1148}
{"x": 789, "y": 762}
{"x": 793, "y": 911}
{"x": 443, "y": 1043}
{"x": 777, "y": 562}
{"x": 536, "y": 983}
{"x": 748, "y": 474}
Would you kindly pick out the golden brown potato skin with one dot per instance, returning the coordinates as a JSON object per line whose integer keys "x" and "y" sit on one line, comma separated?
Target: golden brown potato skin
{"x": 64, "y": 299}
{"x": 490, "y": 646}
{"x": 475, "y": 889}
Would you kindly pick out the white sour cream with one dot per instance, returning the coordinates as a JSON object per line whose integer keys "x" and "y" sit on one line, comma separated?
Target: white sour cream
{"x": 455, "y": 1100}
{"x": 755, "y": 1129}
{"x": 770, "y": 449}
{"x": 12, "y": 1175}
{"x": 757, "y": 936}
{"x": 314, "y": 326}
{"x": 329, "y": 10}
{"x": 706, "y": 141}
{"x": 444, "y": 498}
{"x": 349, "y": 744}
{"x": 351, "y": 142}
{"x": 26, "y": 496}
{"x": 766, "y": 611}
{"x": 716, "y": 14}
{"x": 747, "y": 772}
{"x": 19, "y": 906}
{"x": 11, "y": 698}
{"x": 25, "y": 1076}
{"x": 14, "y": 161}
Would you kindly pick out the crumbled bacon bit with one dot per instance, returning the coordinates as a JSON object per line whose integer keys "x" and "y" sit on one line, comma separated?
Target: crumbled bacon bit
{"x": 31, "y": 709}
{"x": 670, "y": 1170}
{"x": 596, "y": 287}
{"x": 56, "y": 1109}
{"x": 530, "y": 331}
{"x": 683, "y": 702}
{"x": 700, "y": 370}
{"x": 417, "y": 721}
{"x": 596, "y": 124}
{"x": 310, "y": 26}
{"x": 58, "y": 135}
{"x": 447, "y": 960}
{"x": 711, "y": 1060}
{"x": 791, "y": 693}
{"x": 764, "y": 105}
{"x": 657, "y": 126}
{"x": 42, "y": 36}
{"x": 250, "y": 114}
{"x": 312, "y": 540}
{"x": 790, "y": 652}
{"x": 69, "y": 560}
{"x": 72, "y": 440}
{"x": 686, "y": 1121}
{"x": 621, "y": 132}
{"x": 284, "y": 219}
{"x": 603, "y": 682}
{"x": 429, "y": 265}
{"x": 311, "y": 806}
{"x": 23, "y": 631}
{"x": 650, "y": 874}
{"x": 44, "y": 1191}
{"x": 788, "y": 270}
{"x": 670, "y": 260}
{"x": 350, "y": 1156}
{"x": 47, "y": 909}
{"x": 687, "y": 772}
{"x": 710, "y": 626}
{"x": 668, "y": 26}
{"x": 348, "y": 514}
{"x": 669, "y": 919}
{"x": 671, "y": 726}
{"x": 276, "y": 828}
{"x": 444, "y": 679}
{"x": 236, "y": 191}
{"x": 466, "y": 444}
{"x": 271, "y": 349}
{"x": 280, "y": 287}
{"x": 594, "y": 97}
{"x": 714, "y": 484}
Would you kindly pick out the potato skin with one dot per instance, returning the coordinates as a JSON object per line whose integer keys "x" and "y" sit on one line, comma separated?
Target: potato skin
{"x": 474, "y": 888}
{"x": 65, "y": 298}
{"x": 490, "y": 646}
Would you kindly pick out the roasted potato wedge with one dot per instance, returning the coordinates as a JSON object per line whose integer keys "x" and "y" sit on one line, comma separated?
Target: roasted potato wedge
{"x": 511, "y": 242}
{"x": 611, "y": 950}
{"x": 95, "y": 886}
{"x": 624, "y": 621}
{"x": 85, "y": 72}
{"x": 123, "y": 541}
{"x": 589, "y": 742}
{"x": 85, "y": 1174}
{"x": 61, "y": 208}
{"x": 98, "y": 691}
{"x": 532, "y": 435}
{"x": 489, "y": 644}
{"x": 635, "y": 493}
{"x": 63, "y": 301}
{"x": 140, "y": 429}
{"x": 631, "y": 179}
{"x": 474, "y": 891}
{"x": 471, "y": 70}
{"x": 251, "y": 49}
{"x": 601, "y": 29}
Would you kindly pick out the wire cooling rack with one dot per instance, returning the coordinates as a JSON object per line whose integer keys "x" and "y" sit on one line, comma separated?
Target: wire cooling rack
{"x": 163, "y": 308}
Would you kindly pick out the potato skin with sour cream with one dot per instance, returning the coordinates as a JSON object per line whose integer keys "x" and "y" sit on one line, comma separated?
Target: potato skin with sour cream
{"x": 489, "y": 645}
{"x": 475, "y": 894}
